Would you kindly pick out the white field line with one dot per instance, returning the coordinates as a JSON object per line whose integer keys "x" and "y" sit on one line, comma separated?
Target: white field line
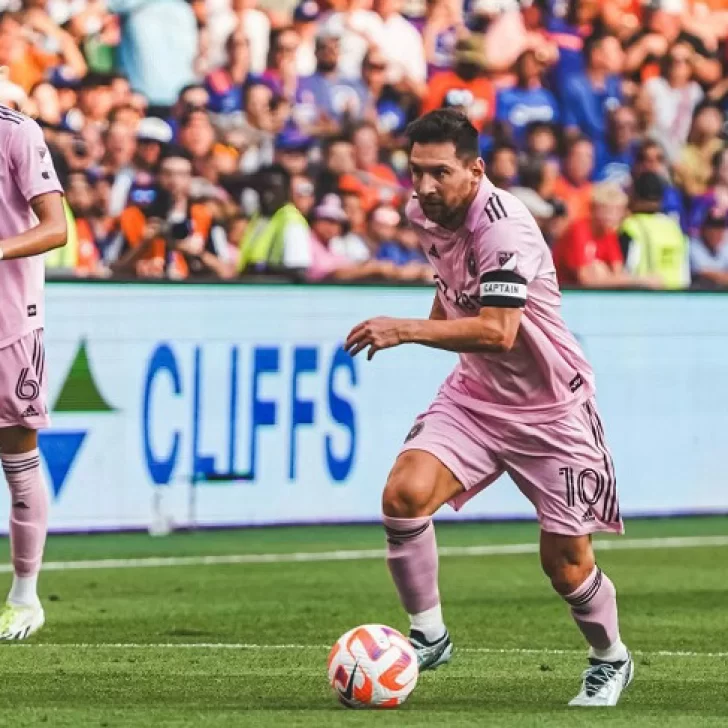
{"x": 367, "y": 554}
{"x": 234, "y": 646}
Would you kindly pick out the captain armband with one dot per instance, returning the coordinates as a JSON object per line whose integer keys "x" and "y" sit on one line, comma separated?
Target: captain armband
{"x": 503, "y": 289}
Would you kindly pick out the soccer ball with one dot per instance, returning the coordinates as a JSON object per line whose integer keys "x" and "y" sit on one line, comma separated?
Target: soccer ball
{"x": 372, "y": 666}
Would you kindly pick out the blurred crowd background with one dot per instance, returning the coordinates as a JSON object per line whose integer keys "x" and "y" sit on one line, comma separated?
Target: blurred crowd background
{"x": 218, "y": 139}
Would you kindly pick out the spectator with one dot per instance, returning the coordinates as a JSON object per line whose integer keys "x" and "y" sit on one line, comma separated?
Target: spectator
{"x": 650, "y": 157}
{"x": 537, "y": 179}
{"x": 662, "y": 29}
{"x": 197, "y": 137}
{"x": 170, "y": 237}
{"x": 616, "y": 157}
{"x": 292, "y": 149}
{"x": 327, "y": 225}
{"x": 152, "y": 134}
{"x": 282, "y": 73}
{"x": 653, "y": 244}
{"x": 256, "y": 129}
{"x": 92, "y": 226}
{"x": 402, "y": 46}
{"x": 709, "y": 252}
{"x": 256, "y": 25}
{"x": 589, "y": 97}
{"x": 541, "y": 139}
{"x": 358, "y": 29}
{"x": 381, "y": 184}
{"x": 401, "y": 250}
{"x": 674, "y": 96}
{"x": 277, "y": 237}
{"x": 442, "y": 28}
{"x": 158, "y": 46}
{"x": 466, "y": 86}
{"x": 327, "y": 97}
{"x": 28, "y": 62}
{"x": 574, "y": 186}
{"x": 45, "y": 103}
{"x": 694, "y": 167}
{"x": 305, "y": 15}
{"x": 391, "y": 108}
{"x": 339, "y": 158}
{"x": 502, "y": 166}
{"x": 303, "y": 192}
{"x": 353, "y": 244}
{"x": 226, "y": 85}
{"x": 589, "y": 254}
{"x": 528, "y": 101}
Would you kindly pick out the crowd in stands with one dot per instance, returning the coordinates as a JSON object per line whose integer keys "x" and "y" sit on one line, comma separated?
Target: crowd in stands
{"x": 217, "y": 139}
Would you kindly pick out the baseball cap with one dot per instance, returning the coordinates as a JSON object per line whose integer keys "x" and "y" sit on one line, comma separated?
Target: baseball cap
{"x": 293, "y": 139}
{"x": 330, "y": 208}
{"x": 152, "y": 129}
{"x": 307, "y": 11}
{"x": 649, "y": 187}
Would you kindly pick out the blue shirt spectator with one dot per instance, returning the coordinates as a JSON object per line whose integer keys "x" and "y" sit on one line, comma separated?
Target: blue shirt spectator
{"x": 226, "y": 85}
{"x": 326, "y": 92}
{"x": 528, "y": 101}
{"x": 589, "y": 97}
{"x": 158, "y": 46}
{"x": 615, "y": 158}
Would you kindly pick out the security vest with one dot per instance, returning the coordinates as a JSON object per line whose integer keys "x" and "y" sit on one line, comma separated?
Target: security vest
{"x": 658, "y": 248}
{"x": 66, "y": 257}
{"x": 263, "y": 242}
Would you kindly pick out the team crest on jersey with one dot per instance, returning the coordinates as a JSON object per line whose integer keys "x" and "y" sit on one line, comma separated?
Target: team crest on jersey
{"x": 416, "y": 429}
{"x": 472, "y": 267}
{"x": 507, "y": 260}
{"x": 42, "y": 151}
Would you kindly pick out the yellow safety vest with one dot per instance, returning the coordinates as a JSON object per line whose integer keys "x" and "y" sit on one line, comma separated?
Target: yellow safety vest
{"x": 66, "y": 257}
{"x": 263, "y": 241}
{"x": 659, "y": 248}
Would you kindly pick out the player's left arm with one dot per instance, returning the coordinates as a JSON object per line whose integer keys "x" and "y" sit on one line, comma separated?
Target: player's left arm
{"x": 50, "y": 232}
{"x": 31, "y": 168}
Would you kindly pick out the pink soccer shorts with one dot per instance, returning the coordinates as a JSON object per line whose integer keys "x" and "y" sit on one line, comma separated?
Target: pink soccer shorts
{"x": 563, "y": 467}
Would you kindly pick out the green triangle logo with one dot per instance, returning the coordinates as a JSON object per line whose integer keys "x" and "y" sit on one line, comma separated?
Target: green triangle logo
{"x": 79, "y": 392}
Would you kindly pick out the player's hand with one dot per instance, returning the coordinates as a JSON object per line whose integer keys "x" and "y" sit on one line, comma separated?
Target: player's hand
{"x": 376, "y": 334}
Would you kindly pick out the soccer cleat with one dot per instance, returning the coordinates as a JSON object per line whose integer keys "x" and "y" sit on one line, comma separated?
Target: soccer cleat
{"x": 603, "y": 683}
{"x": 18, "y": 623}
{"x": 430, "y": 655}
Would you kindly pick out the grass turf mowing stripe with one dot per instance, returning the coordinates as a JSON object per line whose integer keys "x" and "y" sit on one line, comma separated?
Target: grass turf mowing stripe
{"x": 367, "y": 554}
{"x": 283, "y": 647}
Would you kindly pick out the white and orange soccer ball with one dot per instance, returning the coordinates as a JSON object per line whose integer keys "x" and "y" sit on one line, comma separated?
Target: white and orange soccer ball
{"x": 372, "y": 666}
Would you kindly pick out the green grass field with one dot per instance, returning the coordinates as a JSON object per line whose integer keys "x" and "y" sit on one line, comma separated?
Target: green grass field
{"x": 245, "y": 644}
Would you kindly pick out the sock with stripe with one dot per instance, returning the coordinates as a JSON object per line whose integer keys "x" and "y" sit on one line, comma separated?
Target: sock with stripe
{"x": 413, "y": 562}
{"x": 28, "y": 523}
{"x": 594, "y": 608}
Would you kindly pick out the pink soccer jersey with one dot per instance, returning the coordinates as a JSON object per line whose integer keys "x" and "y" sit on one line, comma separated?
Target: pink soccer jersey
{"x": 498, "y": 257}
{"x": 26, "y": 171}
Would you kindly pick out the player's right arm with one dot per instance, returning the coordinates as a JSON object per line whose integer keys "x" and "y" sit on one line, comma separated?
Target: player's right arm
{"x": 30, "y": 166}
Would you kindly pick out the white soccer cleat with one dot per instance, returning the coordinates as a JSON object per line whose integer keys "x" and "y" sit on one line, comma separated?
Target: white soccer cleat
{"x": 18, "y": 623}
{"x": 603, "y": 683}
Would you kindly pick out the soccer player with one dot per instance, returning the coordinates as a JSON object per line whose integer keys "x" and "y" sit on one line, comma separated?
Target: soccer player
{"x": 32, "y": 222}
{"x": 521, "y": 401}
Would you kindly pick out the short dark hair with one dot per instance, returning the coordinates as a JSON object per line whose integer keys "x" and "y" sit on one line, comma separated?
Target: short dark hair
{"x": 174, "y": 151}
{"x": 575, "y": 141}
{"x": 445, "y": 125}
{"x": 594, "y": 41}
{"x": 503, "y": 146}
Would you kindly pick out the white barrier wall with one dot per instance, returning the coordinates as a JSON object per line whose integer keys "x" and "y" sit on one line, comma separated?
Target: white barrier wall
{"x": 151, "y": 384}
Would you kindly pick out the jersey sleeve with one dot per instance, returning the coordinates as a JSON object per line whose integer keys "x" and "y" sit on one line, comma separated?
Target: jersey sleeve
{"x": 30, "y": 161}
{"x": 509, "y": 251}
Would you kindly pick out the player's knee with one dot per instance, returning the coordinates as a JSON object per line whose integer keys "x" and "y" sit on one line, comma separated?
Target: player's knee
{"x": 408, "y": 493}
{"x": 566, "y": 571}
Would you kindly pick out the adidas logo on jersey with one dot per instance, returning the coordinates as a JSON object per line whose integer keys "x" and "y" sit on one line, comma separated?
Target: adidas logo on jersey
{"x": 30, "y": 411}
{"x": 588, "y": 516}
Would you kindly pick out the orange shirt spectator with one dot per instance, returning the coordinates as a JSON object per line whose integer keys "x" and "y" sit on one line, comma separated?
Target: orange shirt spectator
{"x": 465, "y": 87}
{"x": 574, "y": 186}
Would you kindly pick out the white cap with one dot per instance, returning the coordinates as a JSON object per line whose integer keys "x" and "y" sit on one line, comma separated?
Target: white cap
{"x": 154, "y": 130}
